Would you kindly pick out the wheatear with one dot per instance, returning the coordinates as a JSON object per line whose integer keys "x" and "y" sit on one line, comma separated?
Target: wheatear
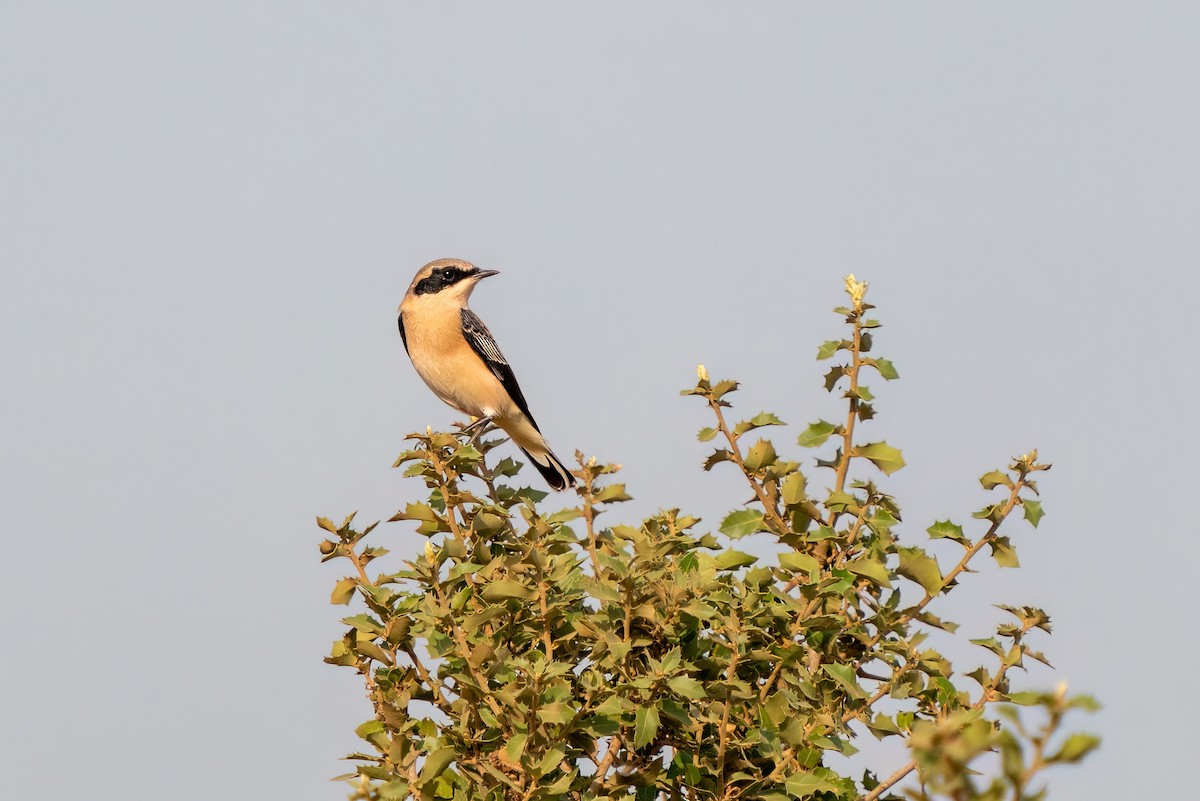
{"x": 455, "y": 354}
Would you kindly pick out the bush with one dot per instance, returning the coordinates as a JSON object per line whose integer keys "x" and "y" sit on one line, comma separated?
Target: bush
{"x": 535, "y": 653}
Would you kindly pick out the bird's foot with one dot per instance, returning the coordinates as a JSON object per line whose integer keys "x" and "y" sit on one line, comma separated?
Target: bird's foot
{"x": 476, "y": 429}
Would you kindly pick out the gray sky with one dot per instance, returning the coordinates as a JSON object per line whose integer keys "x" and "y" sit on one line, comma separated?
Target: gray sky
{"x": 211, "y": 210}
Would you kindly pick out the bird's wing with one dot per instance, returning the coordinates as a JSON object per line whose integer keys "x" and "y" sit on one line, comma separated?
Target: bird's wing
{"x": 481, "y": 341}
{"x": 403, "y": 336}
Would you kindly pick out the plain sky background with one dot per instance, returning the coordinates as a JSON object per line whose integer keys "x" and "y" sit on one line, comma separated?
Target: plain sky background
{"x": 209, "y": 212}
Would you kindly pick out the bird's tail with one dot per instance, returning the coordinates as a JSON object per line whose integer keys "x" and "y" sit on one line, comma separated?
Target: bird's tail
{"x": 525, "y": 435}
{"x": 554, "y": 471}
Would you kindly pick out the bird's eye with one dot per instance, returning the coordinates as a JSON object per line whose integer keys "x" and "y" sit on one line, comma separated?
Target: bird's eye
{"x": 447, "y": 272}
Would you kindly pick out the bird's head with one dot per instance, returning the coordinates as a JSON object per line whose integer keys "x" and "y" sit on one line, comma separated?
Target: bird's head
{"x": 447, "y": 280}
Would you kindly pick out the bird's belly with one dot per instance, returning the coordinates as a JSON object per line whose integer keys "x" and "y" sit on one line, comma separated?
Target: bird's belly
{"x": 467, "y": 386}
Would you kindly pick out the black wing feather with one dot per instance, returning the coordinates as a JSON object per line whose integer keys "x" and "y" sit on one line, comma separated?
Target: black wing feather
{"x": 484, "y": 344}
{"x": 403, "y": 336}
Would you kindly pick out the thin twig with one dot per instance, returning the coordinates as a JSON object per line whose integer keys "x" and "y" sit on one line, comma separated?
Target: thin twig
{"x": 730, "y": 675}
{"x": 769, "y": 509}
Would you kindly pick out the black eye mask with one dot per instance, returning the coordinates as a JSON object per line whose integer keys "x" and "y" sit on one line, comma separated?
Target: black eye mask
{"x": 439, "y": 279}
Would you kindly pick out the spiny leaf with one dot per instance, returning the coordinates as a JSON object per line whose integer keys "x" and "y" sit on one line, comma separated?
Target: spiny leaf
{"x": 995, "y": 478}
{"x": 919, "y": 566}
{"x": 732, "y": 560}
{"x": 436, "y": 763}
{"x": 830, "y": 347}
{"x": 806, "y": 785}
{"x": 758, "y": 421}
{"x": 1004, "y": 553}
{"x": 722, "y": 388}
{"x": 1076, "y": 747}
{"x": 833, "y": 376}
{"x": 343, "y": 591}
{"x": 613, "y": 493}
{"x": 505, "y": 589}
{"x": 374, "y": 732}
{"x": 798, "y": 561}
{"x": 844, "y": 675}
{"x": 515, "y": 747}
{"x": 687, "y": 687}
{"x": 944, "y": 529}
{"x": 718, "y": 456}
{"x": 793, "y": 489}
{"x": 645, "y": 725}
{"x": 1033, "y": 511}
{"x": 870, "y": 568}
{"x": 742, "y": 523}
{"x": 882, "y": 455}
{"x": 816, "y": 434}
{"x": 886, "y": 369}
{"x": 762, "y": 454}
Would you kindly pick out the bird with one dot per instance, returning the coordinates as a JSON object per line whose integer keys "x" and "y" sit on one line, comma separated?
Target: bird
{"x": 456, "y": 356}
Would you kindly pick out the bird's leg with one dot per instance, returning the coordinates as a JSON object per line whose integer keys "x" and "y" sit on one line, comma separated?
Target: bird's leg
{"x": 476, "y": 428}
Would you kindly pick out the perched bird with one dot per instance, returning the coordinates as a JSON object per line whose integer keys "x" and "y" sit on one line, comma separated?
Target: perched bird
{"x": 455, "y": 355}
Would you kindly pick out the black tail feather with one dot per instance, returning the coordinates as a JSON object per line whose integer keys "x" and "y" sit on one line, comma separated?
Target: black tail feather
{"x": 554, "y": 471}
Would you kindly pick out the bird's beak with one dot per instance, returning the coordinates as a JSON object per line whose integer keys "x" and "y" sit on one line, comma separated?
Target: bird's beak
{"x": 479, "y": 276}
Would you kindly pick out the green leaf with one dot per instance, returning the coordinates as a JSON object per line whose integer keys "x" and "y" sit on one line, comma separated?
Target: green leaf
{"x": 829, "y": 348}
{"x": 722, "y": 388}
{"x": 870, "y": 568}
{"x": 718, "y": 456}
{"x": 1076, "y": 747}
{"x": 1033, "y": 511}
{"x": 882, "y": 455}
{"x": 550, "y": 761}
{"x": 844, "y": 675}
{"x": 833, "y": 376}
{"x": 886, "y": 369}
{"x": 436, "y": 764}
{"x": 687, "y": 687}
{"x": 1027, "y": 698}
{"x": 919, "y": 566}
{"x": 506, "y": 467}
{"x": 705, "y": 434}
{"x": 393, "y": 791}
{"x": 1004, "y": 553}
{"x": 364, "y": 623}
{"x": 882, "y": 521}
{"x": 944, "y": 529}
{"x": 613, "y": 493}
{"x": 505, "y": 589}
{"x": 645, "y": 726}
{"x": 472, "y": 622}
{"x": 758, "y": 421}
{"x": 374, "y": 732}
{"x": 515, "y": 747}
{"x": 805, "y": 785}
{"x": 556, "y": 712}
{"x": 994, "y": 479}
{"x": 742, "y": 523}
{"x": 816, "y": 434}
{"x": 762, "y": 454}
{"x": 343, "y": 591}
{"x": 415, "y": 511}
{"x": 797, "y": 561}
{"x": 794, "y": 489}
{"x": 732, "y": 560}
